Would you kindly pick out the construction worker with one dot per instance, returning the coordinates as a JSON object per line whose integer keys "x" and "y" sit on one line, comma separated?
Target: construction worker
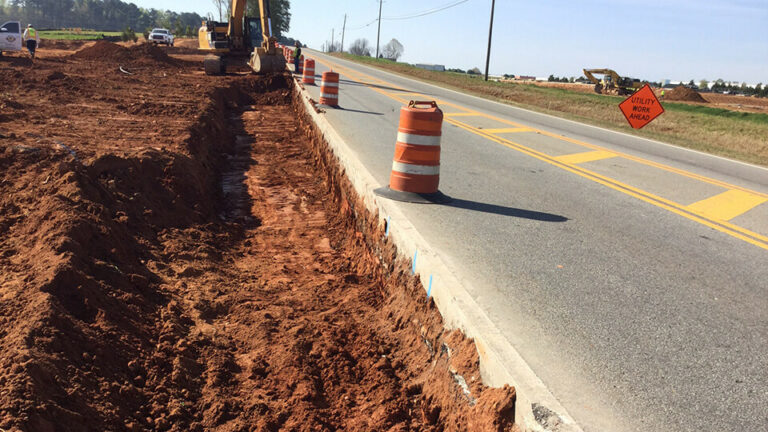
{"x": 662, "y": 93}
{"x": 30, "y": 35}
{"x": 297, "y": 58}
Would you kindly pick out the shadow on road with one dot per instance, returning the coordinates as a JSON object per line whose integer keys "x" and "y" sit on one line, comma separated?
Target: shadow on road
{"x": 378, "y": 86}
{"x": 505, "y": 211}
{"x": 359, "y": 111}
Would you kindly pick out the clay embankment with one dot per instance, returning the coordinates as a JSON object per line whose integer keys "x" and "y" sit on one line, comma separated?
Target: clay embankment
{"x": 186, "y": 256}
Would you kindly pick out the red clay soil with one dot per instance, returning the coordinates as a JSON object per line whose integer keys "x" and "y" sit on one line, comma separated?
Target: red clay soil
{"x": 187, "y": 257}
{"x": 685, "y": 94}
{"x": 111, "y": 52}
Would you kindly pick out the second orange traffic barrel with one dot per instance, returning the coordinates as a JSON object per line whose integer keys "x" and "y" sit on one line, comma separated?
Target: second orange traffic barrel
{"x": 415, "y": 175}
{"x": 309, "y": 72}
{"x": 329, "y": 89}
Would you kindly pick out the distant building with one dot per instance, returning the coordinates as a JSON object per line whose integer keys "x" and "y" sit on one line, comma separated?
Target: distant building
{"x": 542, "y": 78}
{"x": 525, "y": 78}
{"x": 431, "y": 67}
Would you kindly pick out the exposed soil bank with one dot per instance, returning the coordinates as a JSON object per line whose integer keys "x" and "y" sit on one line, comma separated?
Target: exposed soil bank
{"x": 190, "y": 258}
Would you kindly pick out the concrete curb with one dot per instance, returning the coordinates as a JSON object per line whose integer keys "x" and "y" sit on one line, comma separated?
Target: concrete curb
{"x": 536, "y": 410}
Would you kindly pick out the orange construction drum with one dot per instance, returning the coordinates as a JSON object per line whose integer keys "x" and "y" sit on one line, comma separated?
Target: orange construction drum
{"x": 309, "y": 72}
{"x": 415, "y": 173}
{"x": 329, "y": 89}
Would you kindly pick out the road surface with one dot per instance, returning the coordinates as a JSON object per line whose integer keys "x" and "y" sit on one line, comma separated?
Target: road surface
{"x": 631, "y": 275}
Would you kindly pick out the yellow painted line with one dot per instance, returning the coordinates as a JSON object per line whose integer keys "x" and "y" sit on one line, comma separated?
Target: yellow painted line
{"x": 507, "y": 130}
{"x": 668, "y": 168}
{"x": 722, "y": 226}
{"x": 727, "y": 205}
{"x": 463, "y": 114}
{"x": 583, "y": 157}
{"x": 692, "y": 214}
{"x": 407, "y": 93}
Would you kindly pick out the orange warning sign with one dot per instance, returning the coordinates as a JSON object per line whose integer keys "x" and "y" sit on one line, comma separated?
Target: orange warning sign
{"x": 641, "y": 108}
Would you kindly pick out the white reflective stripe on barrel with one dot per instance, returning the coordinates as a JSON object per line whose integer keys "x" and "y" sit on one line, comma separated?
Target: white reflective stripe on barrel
{"x": 415, "y": 169}
{"x": 330, "y": 84}
{"x": 329, "y": 96}
{"x": 413, "y": 139}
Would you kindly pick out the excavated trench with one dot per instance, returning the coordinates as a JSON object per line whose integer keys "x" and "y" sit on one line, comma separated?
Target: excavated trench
{"x": 238, "y": 284}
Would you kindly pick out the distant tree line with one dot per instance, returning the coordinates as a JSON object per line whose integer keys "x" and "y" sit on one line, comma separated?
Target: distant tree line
{"x": 553, "y": 78}
{"x": 720, "y": 86}
{"x": 281, "y": 15}
{"x": 104, "y": 15}
{"x": 393, "y": 50}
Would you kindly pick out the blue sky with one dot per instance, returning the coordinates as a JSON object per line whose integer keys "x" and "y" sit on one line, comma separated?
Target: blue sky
{"x": 650, "y": 39}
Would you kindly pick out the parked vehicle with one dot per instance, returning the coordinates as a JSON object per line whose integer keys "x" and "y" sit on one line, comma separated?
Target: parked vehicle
{"x": 161, "y": 36}
{"x": 10, "y": 37}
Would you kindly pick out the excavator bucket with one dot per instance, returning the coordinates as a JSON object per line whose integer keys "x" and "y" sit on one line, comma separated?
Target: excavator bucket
{"x": 264, "y": 63}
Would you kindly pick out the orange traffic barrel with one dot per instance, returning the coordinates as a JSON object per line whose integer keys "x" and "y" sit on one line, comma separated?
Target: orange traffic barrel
{"x": 309, "y": 72}
{"x": 329, "y": 89}
{"x": 415, "y": 175}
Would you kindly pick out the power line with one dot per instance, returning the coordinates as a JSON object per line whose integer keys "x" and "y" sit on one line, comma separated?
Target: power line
{"x": 427, "y": 12}
{"x": 363, "y": 26}
{"x": 410, "y": 16}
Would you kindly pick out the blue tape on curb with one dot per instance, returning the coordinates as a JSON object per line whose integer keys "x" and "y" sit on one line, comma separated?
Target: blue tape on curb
{"x": 413, "y": 269}
{"x": 429, "y": 291}
{"x": 389, "y": 222}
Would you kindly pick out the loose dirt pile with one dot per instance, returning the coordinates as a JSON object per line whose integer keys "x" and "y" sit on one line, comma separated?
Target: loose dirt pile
{"x": 204, "y": 266}
{"x": 685, "y": 94}
{"x": 112, "y": 52}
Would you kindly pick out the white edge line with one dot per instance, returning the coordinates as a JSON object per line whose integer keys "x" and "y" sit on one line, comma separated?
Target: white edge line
{"x": 555, "y": 117}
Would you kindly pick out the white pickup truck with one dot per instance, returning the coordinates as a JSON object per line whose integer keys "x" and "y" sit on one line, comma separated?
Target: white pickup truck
{"x": 10, "y": 37}
{"x": 161, "y": 36}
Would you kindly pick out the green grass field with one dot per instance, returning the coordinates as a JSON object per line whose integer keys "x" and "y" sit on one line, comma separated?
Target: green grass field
{"x": 76, "y": 35}
{"x": 733, "y": 134}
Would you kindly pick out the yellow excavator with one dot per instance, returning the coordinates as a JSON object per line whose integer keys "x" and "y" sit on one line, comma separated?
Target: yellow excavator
{"x": 241, "y": 40}
{"x": 612, "y": 83}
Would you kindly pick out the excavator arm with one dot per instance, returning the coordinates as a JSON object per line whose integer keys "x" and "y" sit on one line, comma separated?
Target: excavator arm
{"x": 266, "y": 59}
{"x": 610, "y": 82}
{"x": 263, "y": 59}
{"x": 614, "y": 77}
{"x": 236, "y": 24}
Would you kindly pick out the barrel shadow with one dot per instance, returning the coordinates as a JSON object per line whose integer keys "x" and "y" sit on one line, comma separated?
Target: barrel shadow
{"x": 358, "y": 111}
{"x": 505, "y": 211}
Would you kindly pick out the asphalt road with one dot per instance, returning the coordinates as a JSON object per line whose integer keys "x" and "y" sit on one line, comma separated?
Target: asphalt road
{"x": 631, "y": 275}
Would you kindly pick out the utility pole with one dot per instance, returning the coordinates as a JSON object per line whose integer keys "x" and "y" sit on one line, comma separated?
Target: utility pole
{"x": 343, "y": 30}
{"x": 378, "y": 35}
{"x": 333, "y": 47}
{"x": 490, "y": 34}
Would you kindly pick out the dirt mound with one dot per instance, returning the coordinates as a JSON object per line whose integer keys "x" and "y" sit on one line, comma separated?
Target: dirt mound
{"x": 102, "y": 50}
{"x": 684, "y": 94}
{"x": 111, "y": 52}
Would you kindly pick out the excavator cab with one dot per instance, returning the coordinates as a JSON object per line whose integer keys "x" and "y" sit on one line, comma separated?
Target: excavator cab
{"x": 254, "y": 36}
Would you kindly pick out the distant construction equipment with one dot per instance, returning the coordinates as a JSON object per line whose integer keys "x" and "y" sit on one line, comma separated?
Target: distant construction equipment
{"x": 241, "y": 39}
{"x": 612, "y": 83}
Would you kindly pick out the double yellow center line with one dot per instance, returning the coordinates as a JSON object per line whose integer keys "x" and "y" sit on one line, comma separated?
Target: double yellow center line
{"x": 714, "y": 212}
